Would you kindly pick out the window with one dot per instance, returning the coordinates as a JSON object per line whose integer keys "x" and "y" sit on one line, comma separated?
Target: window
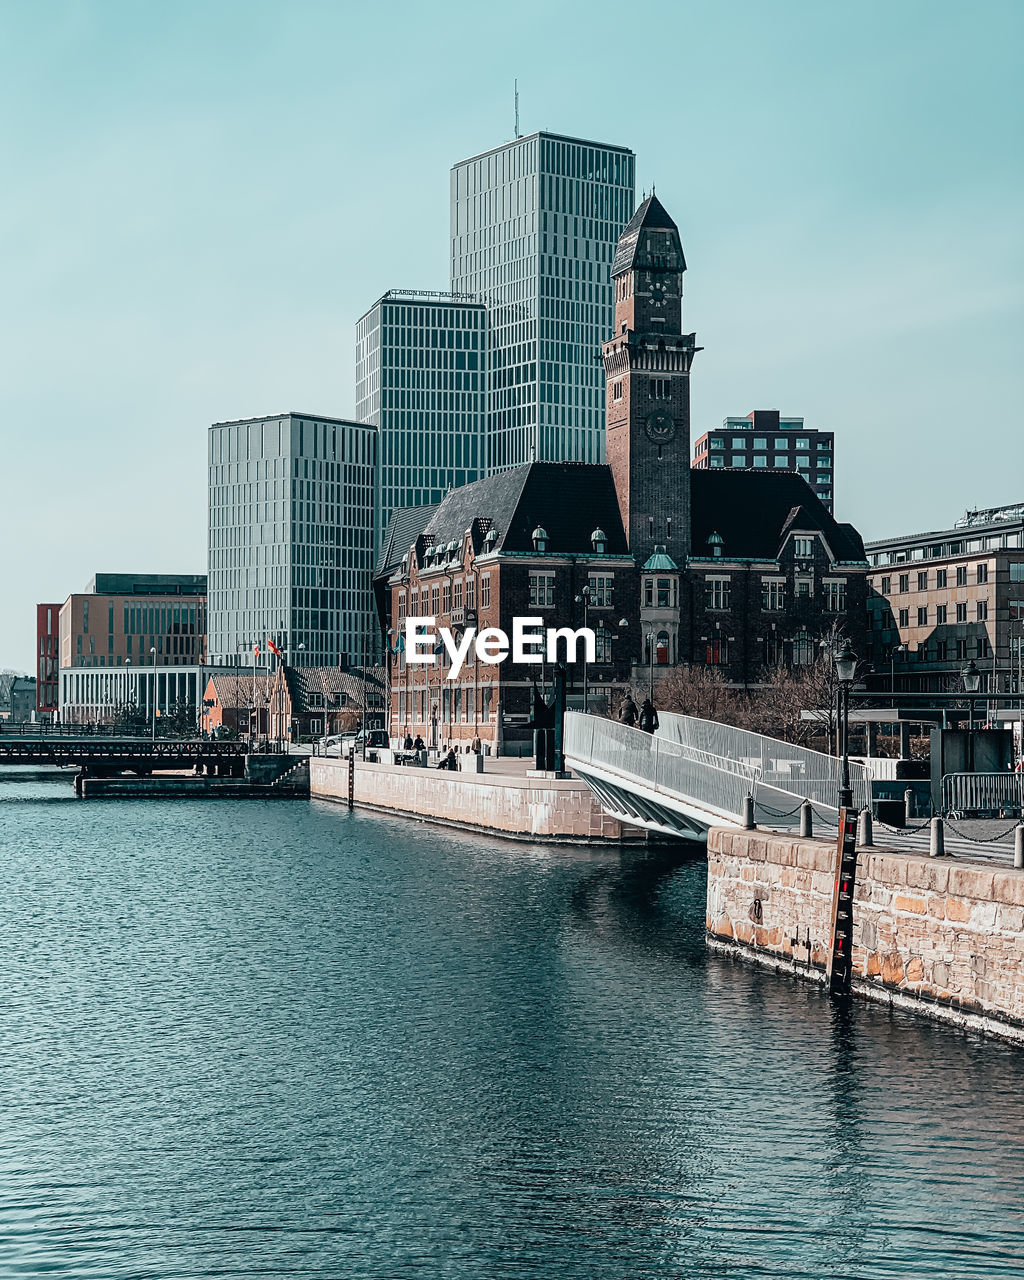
{"x": 601, "y": 591}
{"x": 760, "y": 442}
{"x": 661, "y": 388}
{"x": 961, "y": 576}
{"x": 401, "y": 605}
{"x": 803, "y": 650}
{"x": 648, "y": 593}
{"x": 803, "y": 548}
{"x": 803, "y": 588}
{"x": 718, "y": 462}
{"x": 922, "y": 581}
{"x": 922, "y": 616}
{"x": 1017, "y": 611}
{"x": 602, "y": 645}
{"x": 940, "y": 614}
{"x": 471, "y": 593}
{"x": 760, "y": 459}
{"x": 904, "y": 582}
{"x": 773, "y": 593}
{"x": 457, "y": 594}
{"x": 961, "y": 649}
{"x": 803, "y": 444}
{"x": 983, "y": 573}
{"x": 904, "y": 618}
{"x": 739, "y": 460}
{"x": 717, "y": 442}
{"x": 835, "y": 594}
{"x": 738, "y": 442}
{"x": 780, "y": 460}
{"x": 542, "y": 590}
{"x": 984, "y": 648}
{"x": 617, "y": 390}
{"x": 982, "y": 610}
{"x": 1017, "y": 571}
{"x": 716, "y": 593}
{"x": 886, "y": 587}
{"x": 446, "y": 597}
{"x": 435, "y": 600}
{"x": 940, "y": 577}
{"x": 961, "y": 613}
{"x": 485, "y": 591}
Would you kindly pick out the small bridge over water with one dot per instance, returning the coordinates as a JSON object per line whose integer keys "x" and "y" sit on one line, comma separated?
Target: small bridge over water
{"x": 694, "y": 774}
{"x": 104, "y": 756}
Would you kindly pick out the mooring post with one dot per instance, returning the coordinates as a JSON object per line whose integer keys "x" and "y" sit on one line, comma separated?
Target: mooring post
{"x": 748, "y": 813}
{"x": 937, "y": 847}
{"x": 806, "y": 820}
{"x": 865, "y": 832}
{"x": 1018, "y": 846}
{"x": 908, "y": 805}
{"x": 351, "y": 776}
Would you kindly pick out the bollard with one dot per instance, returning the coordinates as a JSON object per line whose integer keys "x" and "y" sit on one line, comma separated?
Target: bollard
{"x": 1018, "y": 847}
{"x": 937, "y": 847}
{"x": 908, "y": 804}
{"x": 748, "y": 813}
{"x": 865, "y": 834}
{"x": 806, "y": 820}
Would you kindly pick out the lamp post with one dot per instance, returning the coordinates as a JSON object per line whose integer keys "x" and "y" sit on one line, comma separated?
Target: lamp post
{"x": 846, "y": 668}
{"x": 584, "y": 599}
{"x": 899, "y": 648}
{"x": 127, "y": 690}
{"x": 971, "y": 677}
{"x": 153, "y": 652}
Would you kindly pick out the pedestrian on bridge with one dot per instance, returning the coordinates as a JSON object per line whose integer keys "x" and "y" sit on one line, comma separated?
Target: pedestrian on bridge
{"x": 627, "y": 712}
{"x": 648, "y": 716}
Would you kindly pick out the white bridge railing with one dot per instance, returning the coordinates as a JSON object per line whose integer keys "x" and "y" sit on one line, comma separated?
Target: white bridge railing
{"x": 713, "y": 767}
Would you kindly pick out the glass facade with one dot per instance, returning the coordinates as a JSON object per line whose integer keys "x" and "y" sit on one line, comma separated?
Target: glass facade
{"x": 291, "y": 539}
{"x": 421, "y": 381}
{"x": 534, "y": 225}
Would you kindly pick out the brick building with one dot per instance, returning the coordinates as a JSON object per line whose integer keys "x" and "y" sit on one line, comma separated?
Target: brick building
{"x": 941, "y": 599}
{"x": 541, "y": 540}
{"x": 47, "y": 659}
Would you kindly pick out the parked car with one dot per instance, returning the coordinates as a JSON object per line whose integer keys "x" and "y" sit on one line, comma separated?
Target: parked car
{"x": 339, "y": 744}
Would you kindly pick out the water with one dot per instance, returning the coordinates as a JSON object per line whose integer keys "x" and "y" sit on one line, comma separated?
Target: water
{"x": 276, "y": 1039}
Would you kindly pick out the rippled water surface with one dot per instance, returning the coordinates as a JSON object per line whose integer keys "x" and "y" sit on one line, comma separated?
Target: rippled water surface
{"x": 277, "y": 1039}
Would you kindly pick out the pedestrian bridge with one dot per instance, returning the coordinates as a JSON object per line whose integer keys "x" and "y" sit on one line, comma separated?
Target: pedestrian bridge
{"x": 695, "y": 774}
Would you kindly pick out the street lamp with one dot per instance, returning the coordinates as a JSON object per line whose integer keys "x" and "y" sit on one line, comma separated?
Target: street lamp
{"x": 153, "y": 652}
{"x": 846, "y": 668}
{"x": 584, "y": 599}
{"x": 127, "y": 693}
{"x": 971, "y": 677}
{"x": 899, "y": 648}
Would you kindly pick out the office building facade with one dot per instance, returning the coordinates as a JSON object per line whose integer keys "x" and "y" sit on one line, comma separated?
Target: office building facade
{"x": 942, "y": 599}
{"x": 766, "y": 440}
{"x": 291, "y": 538}
{"x": 534, "y": 225}
{"x": 47, "y": 659}
{"x": 421, "y": 382}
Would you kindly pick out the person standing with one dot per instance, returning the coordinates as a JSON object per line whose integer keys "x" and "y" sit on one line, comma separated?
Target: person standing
{"x": 627, "y": 712}
{"x": 648, "y": 716}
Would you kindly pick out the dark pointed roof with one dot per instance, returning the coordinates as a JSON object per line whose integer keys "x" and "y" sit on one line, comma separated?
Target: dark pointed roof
{"x": 651, "y": 216}
{"x": 754, "y": 512}
{"x": 404, "y": 527}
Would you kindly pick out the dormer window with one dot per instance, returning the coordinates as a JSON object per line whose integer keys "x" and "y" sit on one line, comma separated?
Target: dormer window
{"x": 540, "y": 539}
{"x": 716, "y": 542}
{"x": 599, "y": 541}
{"x": 490, "y": 539}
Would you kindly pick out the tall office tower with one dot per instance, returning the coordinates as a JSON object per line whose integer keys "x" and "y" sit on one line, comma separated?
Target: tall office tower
{"x": 291, "y": 539}
{"x": 420, "y": 380}
{"x": 534, "y": 226}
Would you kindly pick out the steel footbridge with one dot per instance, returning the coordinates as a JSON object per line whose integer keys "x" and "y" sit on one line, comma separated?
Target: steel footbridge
{"x": 694, "y": 774}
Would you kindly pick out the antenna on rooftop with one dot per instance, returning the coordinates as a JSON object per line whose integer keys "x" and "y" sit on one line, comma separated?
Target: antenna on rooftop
{"x": 516, "y": 83}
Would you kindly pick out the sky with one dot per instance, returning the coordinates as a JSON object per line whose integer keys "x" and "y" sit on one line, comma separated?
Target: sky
{"x": 199, "y": 199}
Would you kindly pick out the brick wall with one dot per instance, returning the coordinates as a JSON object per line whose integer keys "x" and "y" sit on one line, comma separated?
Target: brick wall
{"x": 945, "y": 935}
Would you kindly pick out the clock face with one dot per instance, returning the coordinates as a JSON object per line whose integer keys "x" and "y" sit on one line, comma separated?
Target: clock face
{"x": 657, "y": 294}
{"x": 660, "y": 428}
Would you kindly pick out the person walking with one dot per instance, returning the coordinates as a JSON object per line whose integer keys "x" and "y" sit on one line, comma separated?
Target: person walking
{"x": 648, "y": 716}
{"x": 627, "y": 712}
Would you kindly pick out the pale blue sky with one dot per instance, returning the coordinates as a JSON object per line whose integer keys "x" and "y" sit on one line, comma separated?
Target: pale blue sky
{"x": 199, "y": 199}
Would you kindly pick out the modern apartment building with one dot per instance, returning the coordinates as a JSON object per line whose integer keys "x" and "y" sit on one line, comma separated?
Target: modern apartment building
{"x": 421, "y": 370}
{"x": 534, "y": 225}
{"x": 118, "y": 638}
{"x": 764, "y": 439}
{"x": 47, "y": 658}
{"x": 941, "y": 599}
{"x": 291, "y": 538}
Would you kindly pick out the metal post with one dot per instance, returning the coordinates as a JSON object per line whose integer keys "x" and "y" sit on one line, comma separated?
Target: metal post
{"x": 845, "y": 792}
{"x": 1018, "y": 846}
{"x": 806, "y": 820}
{"x": 865, "y": 834}
{"x": 153, "y": 652}
{"x": 748, "y": 823}
{"x": 908, "y": 804}
{"x": 937, "y": 845}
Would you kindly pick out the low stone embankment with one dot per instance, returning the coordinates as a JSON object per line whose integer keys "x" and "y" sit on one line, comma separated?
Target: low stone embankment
{"x": 559, "y": 809}
{"x": 933, "y": 933}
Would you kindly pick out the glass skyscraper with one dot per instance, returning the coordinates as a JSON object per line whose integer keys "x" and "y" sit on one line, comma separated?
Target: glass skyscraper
{"x": 291, "y": 539}
{"x": 421, "y": 381}
{"x": 534, "y": 225}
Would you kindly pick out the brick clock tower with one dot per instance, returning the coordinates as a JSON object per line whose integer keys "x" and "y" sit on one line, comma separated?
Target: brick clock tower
{"x": 647, "y": 366}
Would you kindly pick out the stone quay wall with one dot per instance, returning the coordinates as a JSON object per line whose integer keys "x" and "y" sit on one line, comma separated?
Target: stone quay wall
{"x": 542, "y": 809}
{"x": 940, "y": 934}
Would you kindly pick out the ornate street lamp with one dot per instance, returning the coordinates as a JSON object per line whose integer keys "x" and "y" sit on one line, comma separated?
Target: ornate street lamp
{"x": 971, "y": 677}
{"x": 846, "y": 668}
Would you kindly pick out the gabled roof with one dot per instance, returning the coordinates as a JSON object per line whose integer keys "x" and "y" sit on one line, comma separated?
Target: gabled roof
{"x": 404, "y": 527}
{"x": 754, "y": 511}
{"x": 569, "y": 499}
{"x": 651, "y": 216}
{"x": 233, "y": 690}
{"x": 327, "y": 681}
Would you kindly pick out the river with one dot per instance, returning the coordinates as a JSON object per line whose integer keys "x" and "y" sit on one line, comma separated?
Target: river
{"x": 246, "y": 1038}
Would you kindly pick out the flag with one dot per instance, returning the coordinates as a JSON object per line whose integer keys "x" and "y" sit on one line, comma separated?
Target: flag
{"x": 273, "y": 648}
{"x": 256, "y": 650}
